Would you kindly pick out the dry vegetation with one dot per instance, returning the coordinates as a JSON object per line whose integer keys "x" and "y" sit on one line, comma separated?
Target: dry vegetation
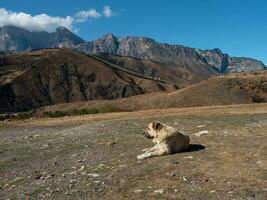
{"x": 223, "y": 90}
{"x": 94, "y": 156}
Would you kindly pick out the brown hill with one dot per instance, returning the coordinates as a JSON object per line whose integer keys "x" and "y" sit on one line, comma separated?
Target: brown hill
{"x": 180, "y": 74}
{"x": 52, "y": 76}
{"x": 221, "y": 90}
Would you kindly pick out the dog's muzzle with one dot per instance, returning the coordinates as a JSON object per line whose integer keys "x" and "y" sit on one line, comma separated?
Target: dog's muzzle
{"x": 145, "y": 134}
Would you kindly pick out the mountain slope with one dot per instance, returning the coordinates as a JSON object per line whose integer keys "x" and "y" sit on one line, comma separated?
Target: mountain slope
{"x": 38, "y": 78}
{"x": 182, "y": 76}
{"x": 146, "y": 48}
{"x": 13, "y": 39}
{"x": 220, "y": 90}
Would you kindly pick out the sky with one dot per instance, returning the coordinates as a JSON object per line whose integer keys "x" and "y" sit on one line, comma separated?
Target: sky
{"x": 237, "y": 27}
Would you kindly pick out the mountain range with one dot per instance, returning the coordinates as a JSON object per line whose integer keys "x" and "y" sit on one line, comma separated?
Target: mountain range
{"x": 40, "y": 68}
{"x": 146, "y": 48}
{"x": 14, "y": 39}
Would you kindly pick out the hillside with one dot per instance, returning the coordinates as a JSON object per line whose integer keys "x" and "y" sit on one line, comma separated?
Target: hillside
{"x": 220, "y": 90}
{"x": 181, "y": 75}
{"x": 46, "y": 77}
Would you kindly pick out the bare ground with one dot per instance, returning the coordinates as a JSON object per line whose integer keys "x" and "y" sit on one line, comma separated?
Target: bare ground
{"x": 94, "y": 157}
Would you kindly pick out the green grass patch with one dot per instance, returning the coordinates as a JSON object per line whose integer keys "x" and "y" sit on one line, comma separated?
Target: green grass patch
{"x": 25, "y": 115}
{"x": 18, "y": 116}
{"x": 77, "y": 112}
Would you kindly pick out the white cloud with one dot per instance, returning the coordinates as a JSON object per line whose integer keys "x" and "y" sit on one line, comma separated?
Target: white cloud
{"x": 44, "y": 22}
{"x": 84, "y": 15}
{"x": 107, "y": 12}
{"x": 41, "y": 22}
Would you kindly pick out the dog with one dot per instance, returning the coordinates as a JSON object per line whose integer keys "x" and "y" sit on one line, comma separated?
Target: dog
{"x": 167, "y": 140}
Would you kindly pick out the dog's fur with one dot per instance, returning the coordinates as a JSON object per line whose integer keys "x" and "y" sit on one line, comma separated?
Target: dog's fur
{"x": 167, "y": 140}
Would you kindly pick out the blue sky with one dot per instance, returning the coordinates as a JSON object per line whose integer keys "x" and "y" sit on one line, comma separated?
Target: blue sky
{"x": 238, "y": 27}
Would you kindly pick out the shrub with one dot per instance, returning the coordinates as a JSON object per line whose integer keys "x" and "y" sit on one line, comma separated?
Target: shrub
{"x": 84, "y": 111}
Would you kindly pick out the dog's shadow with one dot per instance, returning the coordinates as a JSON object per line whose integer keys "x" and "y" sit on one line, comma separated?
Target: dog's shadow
{"x": 194, "y": 147}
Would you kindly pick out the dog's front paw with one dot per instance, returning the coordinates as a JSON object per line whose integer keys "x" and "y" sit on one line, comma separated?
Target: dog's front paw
{"x": 144, "y": 156}
{"x": 140, "y": 157}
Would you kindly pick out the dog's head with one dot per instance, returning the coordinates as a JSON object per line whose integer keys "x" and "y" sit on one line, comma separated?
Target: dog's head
{"x": 152, "y": 130}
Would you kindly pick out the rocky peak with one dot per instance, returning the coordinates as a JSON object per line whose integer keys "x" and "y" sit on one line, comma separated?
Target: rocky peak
{"x": 62, "y": 29}
{"x": 108, "y": 36}
{"x": 18, "y": 39}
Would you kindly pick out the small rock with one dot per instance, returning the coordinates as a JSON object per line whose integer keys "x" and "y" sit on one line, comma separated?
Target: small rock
{"x": 160, "y": 191}
{"x": 45, "y": 146}
{"x": 176, "y": 190}
{"x": 38, "y": 176}
{"x": 201, "y": 126}
{"x": 73, "y": 173}
{"x": 200, "y": 133}
{"x": 101, "y": 166}
{"x": 96, "y": 181}
{"x": 82, "y": 168}
{"x": 138, "y": 191}
{"x": 49, "y": 176}
{"x": 27, "y": 137}
{"x": 36, "y": 135}
{"x": 189, "y": 157}
{"x": 230, "y": 192}
{"x": 184, "y": 178}
{"x": 264, "y": 189}
{"x": 111, "y": 143}
{"x": 171, "y": 174}
{"x": 94, "y": 175}
{"x": 73, "y": 181}
{"x": 212, "y": 191}
{"x": 175, "y": 162}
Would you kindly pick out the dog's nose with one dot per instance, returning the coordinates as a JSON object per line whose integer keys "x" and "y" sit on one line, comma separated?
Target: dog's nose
{"x": 144, "y": 133}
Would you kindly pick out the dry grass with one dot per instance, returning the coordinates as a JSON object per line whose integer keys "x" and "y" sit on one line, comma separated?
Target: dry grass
{"x": 223, "y": 90}
{"x": 55, "y": 158}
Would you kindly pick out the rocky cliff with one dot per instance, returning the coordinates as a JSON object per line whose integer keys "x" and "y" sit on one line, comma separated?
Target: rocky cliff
{"x": 14, "y": 39}
{"x": 146, "y": 48}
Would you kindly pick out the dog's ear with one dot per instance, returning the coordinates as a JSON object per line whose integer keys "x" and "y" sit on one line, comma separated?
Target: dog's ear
{"x": 157, "y": 126}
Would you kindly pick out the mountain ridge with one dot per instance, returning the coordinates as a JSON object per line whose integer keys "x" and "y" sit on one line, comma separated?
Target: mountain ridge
{"x": 147, "y": 48}
{"x": 16, "y": 39}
